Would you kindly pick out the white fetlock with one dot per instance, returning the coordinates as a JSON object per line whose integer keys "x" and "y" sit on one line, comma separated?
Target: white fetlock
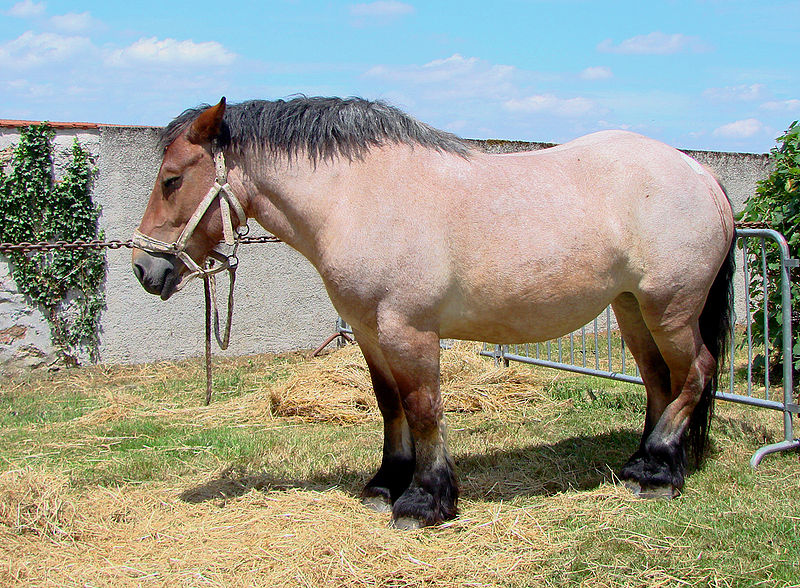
{"x": 406, "y": 523}
{"x": 651, "y": 493}
{"x": 377, "y": 503}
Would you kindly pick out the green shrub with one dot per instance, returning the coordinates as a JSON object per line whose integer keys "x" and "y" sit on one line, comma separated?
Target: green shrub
{"x": 777, "y": 203}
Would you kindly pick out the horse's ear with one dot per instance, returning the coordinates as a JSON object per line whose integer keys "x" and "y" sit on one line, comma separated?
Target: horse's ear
{"x": 208, "y": 125}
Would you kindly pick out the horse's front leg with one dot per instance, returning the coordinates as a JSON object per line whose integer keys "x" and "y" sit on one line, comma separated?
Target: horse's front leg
{"x": 413, "y": 358}
{"x": 397, "y": 465}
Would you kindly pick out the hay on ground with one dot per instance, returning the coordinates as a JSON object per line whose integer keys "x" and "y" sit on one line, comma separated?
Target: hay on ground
{"x": 34, "y": 501}
{"x": 337, "y": 386}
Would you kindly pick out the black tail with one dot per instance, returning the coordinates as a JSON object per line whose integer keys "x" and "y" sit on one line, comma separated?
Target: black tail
{"x": 715, "y": 328}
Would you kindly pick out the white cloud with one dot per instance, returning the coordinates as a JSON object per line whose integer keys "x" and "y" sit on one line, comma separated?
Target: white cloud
{"x": 597, "y": 73}
{"x": 741, "y": 129}
{"x": 791, "y": 105}
{"x": 170, "y": 52}
{"x": 450, "y": 77}
{"x": 74, "y": 22}
{"x": 604, "y": 124}
{"x": 39, "y": 49}
{"x": 550, "y": 104}
{"x": 656, "y": 43}
{"x": 381, "y": 9}
{"x": 741, "y": 93}
{"x": 27, "y": 9}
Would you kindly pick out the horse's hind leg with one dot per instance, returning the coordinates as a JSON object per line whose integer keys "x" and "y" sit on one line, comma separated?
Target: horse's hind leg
{"x": 658, "y": 467}
{"x": 652, "y": 367}
{"x": 397, "y": 465}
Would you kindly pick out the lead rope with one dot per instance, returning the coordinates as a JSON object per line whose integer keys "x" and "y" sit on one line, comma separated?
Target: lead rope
{"x": 225, "y": 339}
{"x": 210, "y": 295}
{"x": 207, "y": 293}
{"x": 232, "y": 237}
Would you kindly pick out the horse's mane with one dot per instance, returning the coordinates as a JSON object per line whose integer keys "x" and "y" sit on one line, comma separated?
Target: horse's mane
{"x": 322, "y": 128}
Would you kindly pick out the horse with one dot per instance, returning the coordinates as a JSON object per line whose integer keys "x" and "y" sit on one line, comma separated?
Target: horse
{"x": 418, "y": 236}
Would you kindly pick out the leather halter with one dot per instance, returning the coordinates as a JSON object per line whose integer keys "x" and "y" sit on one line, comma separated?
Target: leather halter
{"x": 232, "y": 236}
{"x": 227, "y": 260}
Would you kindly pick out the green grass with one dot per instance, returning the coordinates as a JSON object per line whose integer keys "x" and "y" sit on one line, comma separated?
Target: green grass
{"x": 27, "y": 409}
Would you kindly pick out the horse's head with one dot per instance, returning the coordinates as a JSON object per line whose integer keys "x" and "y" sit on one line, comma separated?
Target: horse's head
{"x": 188, "y": 212}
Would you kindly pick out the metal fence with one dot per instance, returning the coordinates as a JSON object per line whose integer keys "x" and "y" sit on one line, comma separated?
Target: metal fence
{"x": 598, "y": 350}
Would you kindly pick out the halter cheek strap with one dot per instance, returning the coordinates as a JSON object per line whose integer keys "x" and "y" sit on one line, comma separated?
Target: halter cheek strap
{"x": 231, "y": 235}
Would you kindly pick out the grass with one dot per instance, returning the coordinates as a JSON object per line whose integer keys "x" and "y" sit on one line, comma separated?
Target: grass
{"x": 121, "y": 477}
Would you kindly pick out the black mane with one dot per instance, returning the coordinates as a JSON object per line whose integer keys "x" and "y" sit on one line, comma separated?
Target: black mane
{"x": 322, "y": 128}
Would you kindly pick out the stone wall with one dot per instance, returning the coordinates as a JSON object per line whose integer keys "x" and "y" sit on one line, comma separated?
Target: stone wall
{"x": 281, "y": 303}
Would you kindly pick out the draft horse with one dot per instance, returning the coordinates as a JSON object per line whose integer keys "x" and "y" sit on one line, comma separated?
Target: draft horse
{"x": 417, "y": 236}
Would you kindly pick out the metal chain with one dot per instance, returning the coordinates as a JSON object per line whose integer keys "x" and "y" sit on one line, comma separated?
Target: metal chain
{"x": 752, "y": 225}
{"x": 27, "y": 247}
{"x": 210, "y": 300}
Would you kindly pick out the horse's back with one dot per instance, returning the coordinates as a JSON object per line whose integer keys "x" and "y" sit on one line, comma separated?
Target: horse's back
{"x": 570, "y": 228}
{"x": 625, "y": 189}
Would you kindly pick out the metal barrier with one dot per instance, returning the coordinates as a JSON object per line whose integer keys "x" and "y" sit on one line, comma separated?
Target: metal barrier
{"x": 598, "y": 350}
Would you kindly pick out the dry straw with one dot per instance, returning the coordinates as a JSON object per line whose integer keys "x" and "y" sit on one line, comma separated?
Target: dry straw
{"x": 144, "y": 536}
{"x": 337, "y": 388}
{"x": 54, "y": 533}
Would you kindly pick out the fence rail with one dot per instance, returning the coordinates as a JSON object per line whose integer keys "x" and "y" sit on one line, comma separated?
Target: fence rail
{"x": 598, "y": 350}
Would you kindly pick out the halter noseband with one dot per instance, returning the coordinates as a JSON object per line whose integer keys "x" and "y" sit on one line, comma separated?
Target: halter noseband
{"x": 232, "y": 236}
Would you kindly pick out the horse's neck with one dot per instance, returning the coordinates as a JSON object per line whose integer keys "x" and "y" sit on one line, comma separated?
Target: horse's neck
{"x": 293, "y": 201}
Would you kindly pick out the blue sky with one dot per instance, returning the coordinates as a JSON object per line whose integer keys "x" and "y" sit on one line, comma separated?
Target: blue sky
{"x": 712, "y": 74}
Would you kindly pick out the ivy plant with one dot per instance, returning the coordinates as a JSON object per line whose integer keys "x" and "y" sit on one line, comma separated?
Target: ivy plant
{"x": 777, "y": 203}
{"x": 66, "y": 285}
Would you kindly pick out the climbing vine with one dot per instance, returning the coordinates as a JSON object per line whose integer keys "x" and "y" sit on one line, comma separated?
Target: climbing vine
{"x": 67, "y": 285}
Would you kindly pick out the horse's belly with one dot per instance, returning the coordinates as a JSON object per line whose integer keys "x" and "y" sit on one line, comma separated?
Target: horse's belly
{"x": 522, "y": 321}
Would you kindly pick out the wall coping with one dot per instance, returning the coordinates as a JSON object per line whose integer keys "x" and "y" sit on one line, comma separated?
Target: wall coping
{"x": 13, "y": 124}
{"x": 491, "y": 145}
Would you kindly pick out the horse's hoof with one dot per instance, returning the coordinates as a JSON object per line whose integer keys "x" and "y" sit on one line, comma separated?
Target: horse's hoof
{"x": 377, "y": 503}
{"x": 666, "y": 492}
{"x": 406, "y": 524}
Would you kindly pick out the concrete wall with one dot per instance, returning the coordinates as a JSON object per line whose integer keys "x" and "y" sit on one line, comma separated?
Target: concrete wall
{"x": 281, "y": 303}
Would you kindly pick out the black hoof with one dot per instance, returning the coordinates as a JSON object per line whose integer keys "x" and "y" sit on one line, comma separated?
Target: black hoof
{"x": 392, "y": 479}
{"x": 377, "y": 499}
{"x": 406, "y": 524}
{"x": 655, "y": 474}
{"x": 652, "y": 492}
{"x": 430, "y": 502}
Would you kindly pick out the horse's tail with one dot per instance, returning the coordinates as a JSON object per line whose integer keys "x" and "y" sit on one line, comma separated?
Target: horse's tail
{"x": 715, "y": 328}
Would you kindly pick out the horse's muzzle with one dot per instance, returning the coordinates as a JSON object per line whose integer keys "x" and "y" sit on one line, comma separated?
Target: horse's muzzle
{"x": 158, "y": 273}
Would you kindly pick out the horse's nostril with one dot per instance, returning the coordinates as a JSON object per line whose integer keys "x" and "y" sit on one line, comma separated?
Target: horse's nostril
{"x": 155, "y": 271}
{"x": 138, "y": 270}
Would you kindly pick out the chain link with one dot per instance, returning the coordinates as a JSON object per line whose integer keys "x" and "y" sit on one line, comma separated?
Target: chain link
{"x": 26, "y": 247}
{"x": 752, "y": 225}
{"x": 256, "y": 240}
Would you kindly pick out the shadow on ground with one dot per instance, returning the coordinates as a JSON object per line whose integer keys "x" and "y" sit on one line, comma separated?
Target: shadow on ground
{"x": 577, "y": 463}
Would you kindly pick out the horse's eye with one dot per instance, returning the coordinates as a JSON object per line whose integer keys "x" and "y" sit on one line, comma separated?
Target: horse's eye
{"x": 172, "y": 184}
